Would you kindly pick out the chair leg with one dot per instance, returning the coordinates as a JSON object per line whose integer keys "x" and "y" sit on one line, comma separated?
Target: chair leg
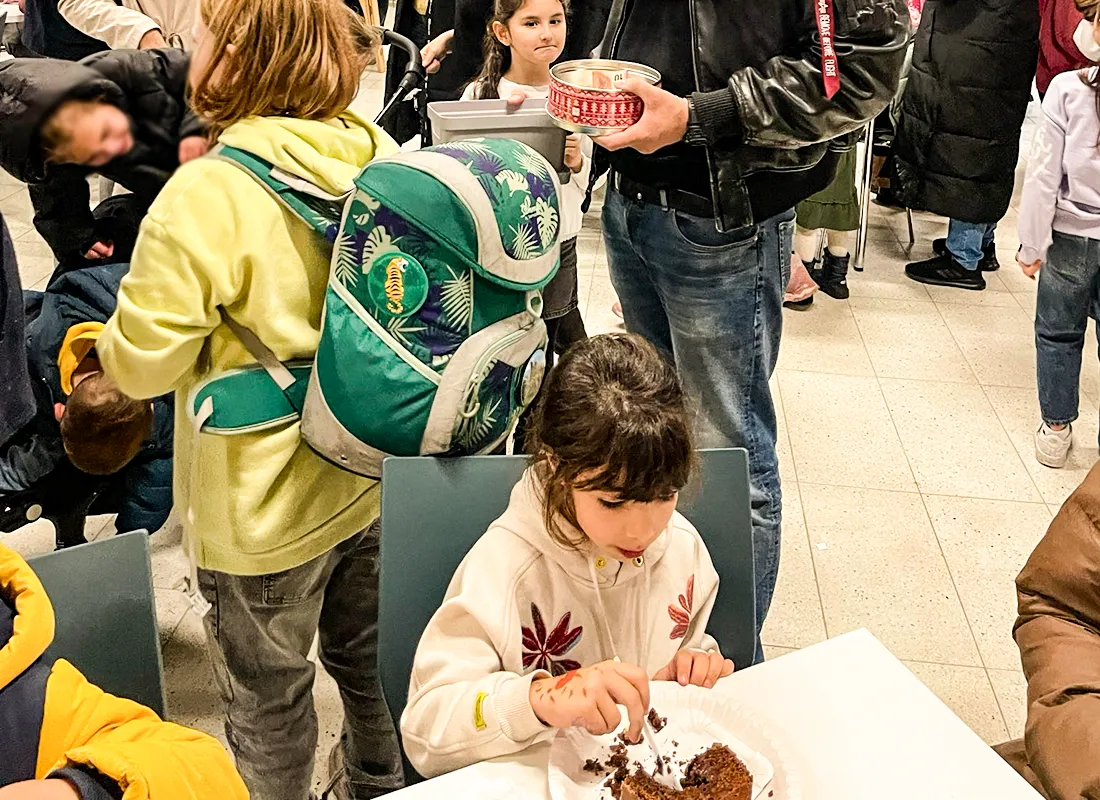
{"x": 912, "y": 233}
{"x": 69, "y": 529}
{"x": 865, "y": 200}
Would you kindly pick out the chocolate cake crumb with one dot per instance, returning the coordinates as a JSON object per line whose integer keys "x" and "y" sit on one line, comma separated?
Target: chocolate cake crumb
{"x": 656, "y": 721}
{"x": 594, "y": 766}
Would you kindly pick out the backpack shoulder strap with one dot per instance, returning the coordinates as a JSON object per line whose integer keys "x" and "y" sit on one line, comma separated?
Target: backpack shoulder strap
{"x": 310, "y": 203}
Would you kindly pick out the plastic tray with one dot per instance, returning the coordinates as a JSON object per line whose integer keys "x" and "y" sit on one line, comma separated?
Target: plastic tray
{"x": 491, "y": 119}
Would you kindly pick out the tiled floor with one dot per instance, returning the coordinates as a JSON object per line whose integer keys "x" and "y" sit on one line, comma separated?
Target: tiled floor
{"x": 912, "y": 497}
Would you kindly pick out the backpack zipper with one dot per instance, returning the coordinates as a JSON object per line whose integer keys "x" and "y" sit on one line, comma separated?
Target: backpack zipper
{"x": 483, "y": 367}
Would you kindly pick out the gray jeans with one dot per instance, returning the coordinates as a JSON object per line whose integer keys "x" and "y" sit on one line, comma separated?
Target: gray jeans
{"x": 260, "y": 631}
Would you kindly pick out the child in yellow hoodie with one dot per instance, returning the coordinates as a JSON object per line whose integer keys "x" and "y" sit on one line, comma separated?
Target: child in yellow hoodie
{"x": 61, "y": 738}
{"x": 286, "y": 544}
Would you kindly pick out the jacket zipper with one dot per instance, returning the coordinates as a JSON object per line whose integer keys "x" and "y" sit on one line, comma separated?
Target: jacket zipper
{"x": 627, "y": 5}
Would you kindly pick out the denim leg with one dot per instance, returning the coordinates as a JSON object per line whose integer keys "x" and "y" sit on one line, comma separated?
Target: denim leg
{"x": 349, "y": 651}
{"x": 1067, "y": 286}
{"x": 717, "y": 297}
{"x": 965, "y": 241}
{"x": 259, "y": 632}
{"x": 643, "y": 305}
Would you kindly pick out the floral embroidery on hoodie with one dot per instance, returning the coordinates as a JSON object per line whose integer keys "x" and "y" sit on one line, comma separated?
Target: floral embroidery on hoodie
{"x": 541, "y": 649}
{"x": 681, "y": 614}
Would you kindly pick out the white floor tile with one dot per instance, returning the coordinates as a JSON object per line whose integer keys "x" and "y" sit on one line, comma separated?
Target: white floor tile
{"x": 967, "y": 692}
{"x": 824, "y": 338}
{"x": 879, "y": 566}
{"x": 999, "y": 343}
{"x": 908, "y": 339}
{"x": 829, "y": 418}
{"x": 955, "y": 442}
{"x": 986, "y": 544}
{"x": 1010, "y": 687}
{"x": 795, "y": 619}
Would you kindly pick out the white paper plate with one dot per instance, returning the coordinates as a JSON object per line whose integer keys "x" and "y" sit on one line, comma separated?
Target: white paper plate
{"x": 697, "y": 718}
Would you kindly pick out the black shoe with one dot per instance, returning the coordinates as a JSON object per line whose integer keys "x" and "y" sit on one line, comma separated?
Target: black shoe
{"x": 834, "y": 276}
{"x": 989, "y": 262}
{"x": 945, "y": 271}
{"x": 799, "y": 305}
{"x": 888, "y": 198}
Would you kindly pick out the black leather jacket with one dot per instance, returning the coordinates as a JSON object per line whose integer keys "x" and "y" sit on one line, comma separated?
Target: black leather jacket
{"x": 761, "y": 93}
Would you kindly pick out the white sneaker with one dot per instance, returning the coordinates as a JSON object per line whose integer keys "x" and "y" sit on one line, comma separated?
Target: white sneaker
{"x": 1052, "y": 447}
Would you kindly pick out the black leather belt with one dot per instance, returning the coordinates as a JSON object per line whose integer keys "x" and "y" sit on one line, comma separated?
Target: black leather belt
{"x": 692, "y": 204}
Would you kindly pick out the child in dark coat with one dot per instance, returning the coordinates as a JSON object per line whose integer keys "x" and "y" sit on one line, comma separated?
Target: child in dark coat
{"x": 121, "y": 114}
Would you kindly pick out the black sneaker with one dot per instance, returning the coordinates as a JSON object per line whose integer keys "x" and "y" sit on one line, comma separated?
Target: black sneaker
{"x": 888, "y": 198}
{"x": 989, "y": 262}
{"x": 945, "y": 271}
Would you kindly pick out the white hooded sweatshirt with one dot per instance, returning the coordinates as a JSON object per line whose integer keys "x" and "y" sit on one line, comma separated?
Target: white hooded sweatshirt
{"x": 522, "y": 607}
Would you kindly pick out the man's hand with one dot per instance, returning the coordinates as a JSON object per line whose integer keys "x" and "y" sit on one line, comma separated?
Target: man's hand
{"x": 100, "y": 250}
{"x": 1031, "y": 270}
{"x": 50, "y": 789}
{"x": 152, "y": 39}
{"x": 664, "y": 120}
{"x": 574, "y": 158}
{"x": 589, "y": 698}
{"x": 696, "y": 668}
{"x": 192, "y": 147}
{"x": 436, "y": 50}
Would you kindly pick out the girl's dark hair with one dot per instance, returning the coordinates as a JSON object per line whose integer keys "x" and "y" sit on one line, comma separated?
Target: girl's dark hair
{"x": 497, "y": 56}
{"x": 612, "y": 418}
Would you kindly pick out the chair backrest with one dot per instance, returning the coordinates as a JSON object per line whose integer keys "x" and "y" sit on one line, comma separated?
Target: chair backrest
{"x": 102, "y": 595}
{"x": 433, "y": 510}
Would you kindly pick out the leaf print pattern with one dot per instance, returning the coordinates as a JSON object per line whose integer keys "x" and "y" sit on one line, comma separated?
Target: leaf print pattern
{"x": 378, "y": 242}
{"x": 400, "y": 331}
{"x": 475, "y": 431}
{"x": 547, "y": 218}
{"x": 457, "y": 299}
{"x": 513, "y": 180}
{"x": 534, "y": 163}
{"x": 524, "y": 242}
{"x": 544, "y": 651}
{"x": 346, "y": 262}
{"x": 681, "y": 614}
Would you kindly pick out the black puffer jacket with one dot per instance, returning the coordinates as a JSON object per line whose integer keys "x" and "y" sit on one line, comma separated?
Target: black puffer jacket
{"x": 148, "y": 84}
{"x": 959, "y": 137}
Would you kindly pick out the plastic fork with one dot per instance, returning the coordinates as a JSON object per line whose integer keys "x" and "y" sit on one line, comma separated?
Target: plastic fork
{"x": 663, "y": 773}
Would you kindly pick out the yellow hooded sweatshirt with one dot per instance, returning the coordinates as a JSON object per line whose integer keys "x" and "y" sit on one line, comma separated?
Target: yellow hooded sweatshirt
{"x": 259, "y": 502}
{"x": 66, "y": 723}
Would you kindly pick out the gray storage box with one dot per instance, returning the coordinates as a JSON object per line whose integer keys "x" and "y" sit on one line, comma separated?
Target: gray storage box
{"x": 491, "y": 119}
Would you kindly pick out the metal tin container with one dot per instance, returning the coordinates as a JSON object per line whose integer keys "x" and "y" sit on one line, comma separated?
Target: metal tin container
{"x": 583, "y": 97}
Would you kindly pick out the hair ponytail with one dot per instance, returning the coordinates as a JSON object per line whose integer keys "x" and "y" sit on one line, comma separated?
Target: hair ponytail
{"x": 498, "y": 60}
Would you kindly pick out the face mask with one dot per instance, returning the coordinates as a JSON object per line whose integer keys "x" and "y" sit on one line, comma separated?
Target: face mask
{"x": 1085, "y": 39}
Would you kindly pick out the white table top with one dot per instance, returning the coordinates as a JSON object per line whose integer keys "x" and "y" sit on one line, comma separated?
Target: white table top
{"x": 858, "y": 723}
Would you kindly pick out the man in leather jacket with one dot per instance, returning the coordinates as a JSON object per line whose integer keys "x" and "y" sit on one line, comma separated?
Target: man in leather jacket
{"x": 756, "y": 101}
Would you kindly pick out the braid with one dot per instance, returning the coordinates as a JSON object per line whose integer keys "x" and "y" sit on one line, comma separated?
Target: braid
{"x": 498, "y": 59}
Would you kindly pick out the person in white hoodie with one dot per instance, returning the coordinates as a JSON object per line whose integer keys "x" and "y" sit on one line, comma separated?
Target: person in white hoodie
{"x": 1059, "y": 226}
{"x": 589, "y": 586}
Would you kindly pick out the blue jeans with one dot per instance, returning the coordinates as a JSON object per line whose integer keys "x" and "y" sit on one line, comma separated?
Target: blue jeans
{"x": 714, "y": 301}
{"x": 1069, "y": 286}
{"x": 966, "y": 240}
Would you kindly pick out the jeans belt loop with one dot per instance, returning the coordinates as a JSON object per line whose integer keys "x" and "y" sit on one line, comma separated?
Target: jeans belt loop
{"x": 664, "y": 200}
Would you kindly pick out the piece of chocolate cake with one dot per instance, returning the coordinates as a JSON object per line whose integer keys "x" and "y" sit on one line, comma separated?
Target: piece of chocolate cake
{"x": 717, "y": 774}
{"x": 655, "y": 721}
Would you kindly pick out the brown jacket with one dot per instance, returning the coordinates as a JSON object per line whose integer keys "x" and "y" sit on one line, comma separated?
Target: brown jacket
{"x": 1058, "y": 633}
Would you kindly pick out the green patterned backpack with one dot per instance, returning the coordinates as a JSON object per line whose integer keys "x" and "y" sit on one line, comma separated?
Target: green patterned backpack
{"x": 432, "y": 341}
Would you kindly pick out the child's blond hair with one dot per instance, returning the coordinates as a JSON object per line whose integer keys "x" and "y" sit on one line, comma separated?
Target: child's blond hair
{"x": 57, "y": 131}
{"x": 290, "y": 58}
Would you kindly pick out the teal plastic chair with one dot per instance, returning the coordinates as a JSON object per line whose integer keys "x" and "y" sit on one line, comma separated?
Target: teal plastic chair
{"x": 102, "y": 595}
{"x": 433, "y": 510}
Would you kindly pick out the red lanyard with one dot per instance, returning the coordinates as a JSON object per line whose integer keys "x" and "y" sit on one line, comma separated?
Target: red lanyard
{"x": 830, "y": 69}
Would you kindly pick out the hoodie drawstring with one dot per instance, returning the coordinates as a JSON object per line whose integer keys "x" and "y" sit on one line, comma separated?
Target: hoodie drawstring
{"x": 645, "y": 632}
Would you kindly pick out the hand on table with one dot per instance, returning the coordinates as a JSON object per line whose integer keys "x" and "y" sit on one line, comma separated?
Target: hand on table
{"x": 574, "y": 158}
{"x": 436, "y": 50}
{"x": 695, "y": 668}
{"x": 1031, "y": 270}
{"x": 588, "y": 698}
{"x": 49, "y": 789}
{"x": 100, "y": 250}
{"x": 192, "y": 147}
{"x": 664, "y": 120}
